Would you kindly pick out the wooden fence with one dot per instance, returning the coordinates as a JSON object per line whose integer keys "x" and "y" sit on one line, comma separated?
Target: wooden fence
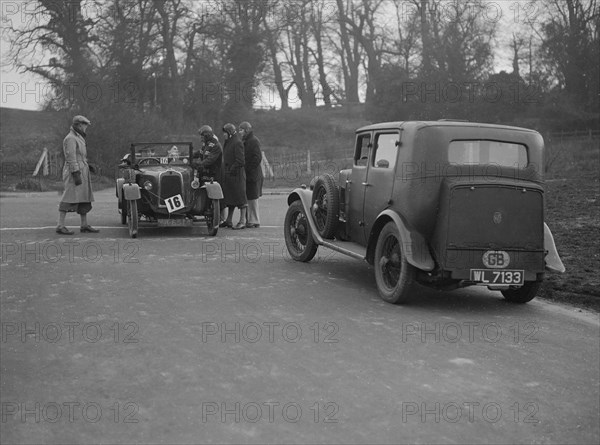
{"x": 575, "y": 134}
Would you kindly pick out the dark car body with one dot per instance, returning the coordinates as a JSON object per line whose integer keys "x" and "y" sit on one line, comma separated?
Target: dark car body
{"x": 158, "y": 179}
{"x": 465, "y": 202}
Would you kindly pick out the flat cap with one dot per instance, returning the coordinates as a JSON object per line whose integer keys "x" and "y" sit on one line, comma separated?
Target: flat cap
{"x": 81, "y": 120}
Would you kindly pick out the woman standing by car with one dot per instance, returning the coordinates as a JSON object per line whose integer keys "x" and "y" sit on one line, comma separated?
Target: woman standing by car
{"x": 78, "y": 195}
{"x": 234, "y": 177}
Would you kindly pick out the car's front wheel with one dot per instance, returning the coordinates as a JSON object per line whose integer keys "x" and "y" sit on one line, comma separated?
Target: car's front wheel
{"x": 123, "y": 208}
{"x": 523, "y": 294}
{"x": 298, "y": 237}
{"x": 132, "y": 217}
{"x": 213, "y": 215}
{"x": 394, "y": 275}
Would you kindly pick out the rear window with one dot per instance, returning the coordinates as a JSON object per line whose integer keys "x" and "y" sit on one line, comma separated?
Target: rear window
{"x": 482, "y": 152}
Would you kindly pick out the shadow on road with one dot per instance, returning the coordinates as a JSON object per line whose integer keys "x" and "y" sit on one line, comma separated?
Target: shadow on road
{"x": 471, "y": 300}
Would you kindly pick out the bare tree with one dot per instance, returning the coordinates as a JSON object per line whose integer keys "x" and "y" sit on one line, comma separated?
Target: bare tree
{"x": 128, "y": 43}
{"x": 241, "y": 26}
{"x": 318, "y": 24}
{"x": 570, "y": 44}
{"x": 456, "y": 39}
{"x": 350, "y": 49}
{"x": 56, "y": 44}
{"x": 272, "y": 37}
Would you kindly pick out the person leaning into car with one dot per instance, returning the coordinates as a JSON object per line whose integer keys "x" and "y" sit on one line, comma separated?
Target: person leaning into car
{"x": 208, "y": 161}
{"x": 78, "y": 195}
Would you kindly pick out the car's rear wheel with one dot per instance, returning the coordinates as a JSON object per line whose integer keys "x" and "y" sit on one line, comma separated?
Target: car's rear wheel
{"x": 213, "y": 215}
{"x": 326, "y": 205}
{"x": 523, "y": 294}
{"x": 298, "y": 237}
{"x": 132, "y": 216}
{"x": 394, "y": 275}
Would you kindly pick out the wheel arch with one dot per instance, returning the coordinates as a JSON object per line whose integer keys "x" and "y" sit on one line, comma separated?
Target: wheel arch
{"x": 417, "y": 252}
{"x": 305, "y": 196}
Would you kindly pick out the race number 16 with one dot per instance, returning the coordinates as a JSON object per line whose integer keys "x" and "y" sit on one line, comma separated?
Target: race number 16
{"x": 174, "y": 203}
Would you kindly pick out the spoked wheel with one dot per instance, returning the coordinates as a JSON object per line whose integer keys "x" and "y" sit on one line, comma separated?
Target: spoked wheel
{"x": 298, "y": 238}
{"x": 523, "y": 294}
{"x": 213, "y": 215}
{"x": 124, "y": 210}
{"x": 132, "y": 216}
{"x": 326, "y": 205}
{"x": 394, "y": 275}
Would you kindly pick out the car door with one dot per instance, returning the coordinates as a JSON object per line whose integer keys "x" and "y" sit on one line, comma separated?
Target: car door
{"x": 356, "y": 188}
{"x": 379, "y": 183}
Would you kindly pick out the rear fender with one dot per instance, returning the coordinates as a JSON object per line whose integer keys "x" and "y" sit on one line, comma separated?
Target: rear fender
{"x": 414, "y": 245}
{"x": 305, "y": 197}
{"x": 553, "y": 261}
{"x": 131, "y": 191}
{"x": 213, "y": 190}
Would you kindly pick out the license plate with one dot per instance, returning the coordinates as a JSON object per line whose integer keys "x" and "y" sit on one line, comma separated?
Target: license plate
{"x": 175, "y": 222}
{"x": 486, "y": 276}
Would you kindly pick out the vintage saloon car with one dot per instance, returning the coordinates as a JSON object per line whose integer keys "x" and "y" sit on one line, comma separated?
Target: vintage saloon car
{"x": 158, "y": 185}
{"x": 444, "y": 204}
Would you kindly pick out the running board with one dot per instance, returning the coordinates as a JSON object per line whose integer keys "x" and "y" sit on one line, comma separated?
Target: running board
{"x": 347, "y": 248}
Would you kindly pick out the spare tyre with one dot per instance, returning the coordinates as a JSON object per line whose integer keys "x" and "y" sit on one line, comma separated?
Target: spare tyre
{"x": 326, "y": 205}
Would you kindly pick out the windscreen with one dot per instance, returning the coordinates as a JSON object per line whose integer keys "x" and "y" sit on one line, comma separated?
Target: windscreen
{"x": 162, "y": 154}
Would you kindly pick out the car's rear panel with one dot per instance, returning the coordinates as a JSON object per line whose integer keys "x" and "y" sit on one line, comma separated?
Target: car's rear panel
{"x": 476, "y": 218}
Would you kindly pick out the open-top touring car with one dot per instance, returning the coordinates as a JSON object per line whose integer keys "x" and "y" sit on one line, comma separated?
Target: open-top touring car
{"x": 157, "y": 184}
{"x": 442, "y": 204}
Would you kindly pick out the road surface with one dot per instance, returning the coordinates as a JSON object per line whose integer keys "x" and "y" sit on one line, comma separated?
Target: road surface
{"x": 176, "y": 337}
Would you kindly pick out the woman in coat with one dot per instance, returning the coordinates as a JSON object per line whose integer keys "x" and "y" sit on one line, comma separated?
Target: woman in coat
{"x": 234, "y": 177}
{"x": 78, "y": 195}
{"x": 254, "y": 174}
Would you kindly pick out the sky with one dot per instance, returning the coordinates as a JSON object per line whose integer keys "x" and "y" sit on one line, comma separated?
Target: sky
{"x": 28, "y": 91}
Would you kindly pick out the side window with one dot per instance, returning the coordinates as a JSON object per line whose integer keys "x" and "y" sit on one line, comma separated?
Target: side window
{"x": 361, "y": 152}
{"x": 386, "y": 150}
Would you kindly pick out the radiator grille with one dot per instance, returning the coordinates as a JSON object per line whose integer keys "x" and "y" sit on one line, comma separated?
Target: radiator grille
{"x": 170, "y": 185}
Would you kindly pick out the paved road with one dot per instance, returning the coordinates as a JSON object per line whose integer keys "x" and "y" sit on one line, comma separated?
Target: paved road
{"x": 180, "y": 338}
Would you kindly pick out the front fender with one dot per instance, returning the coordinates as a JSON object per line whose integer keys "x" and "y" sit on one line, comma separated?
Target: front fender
{"x": 131, "y": 191}
{"x": 305, "y": 197}
{"x": 120, "y": 182}
{"x": 213, "y": 190}
{"x": 553, "y": 261}
{"x": 413, "y": 244}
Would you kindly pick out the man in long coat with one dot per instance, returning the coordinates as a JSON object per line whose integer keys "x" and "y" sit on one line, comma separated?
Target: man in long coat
{"x": 234, "y": 177}
{"x": 254, "y": 174}
{"x": 78, "y": 195}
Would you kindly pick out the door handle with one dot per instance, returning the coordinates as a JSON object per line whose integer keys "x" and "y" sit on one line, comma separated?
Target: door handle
{"x": 366, "y": 184}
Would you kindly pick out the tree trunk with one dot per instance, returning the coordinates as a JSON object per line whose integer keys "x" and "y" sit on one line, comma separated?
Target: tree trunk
{"x": 272, "y": 46}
